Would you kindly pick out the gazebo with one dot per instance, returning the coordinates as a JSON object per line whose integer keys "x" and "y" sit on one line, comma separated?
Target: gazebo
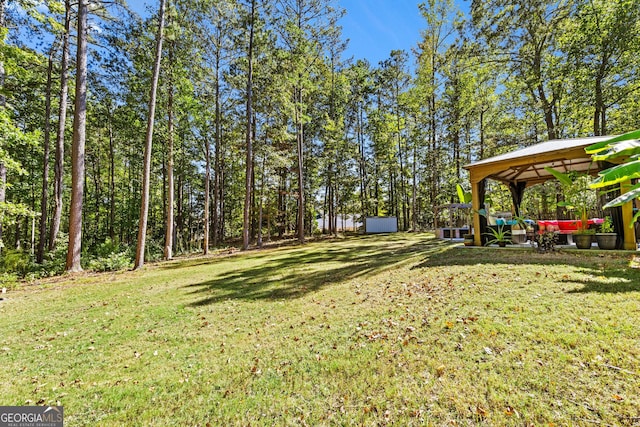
{"x": 523, "y": 168}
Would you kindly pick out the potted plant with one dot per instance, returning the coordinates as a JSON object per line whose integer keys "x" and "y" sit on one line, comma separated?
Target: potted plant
{"x": 583, "y": 237}
{"x": 468, "y": 239}
{"x": 579, "y": 197}
{"x": 606, "y": 238}
{"x": 519, "y": 229}
{"x": 498, "y": 235}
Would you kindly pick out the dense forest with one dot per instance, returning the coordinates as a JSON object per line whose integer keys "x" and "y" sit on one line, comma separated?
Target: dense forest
{"x": 127, "y": 138}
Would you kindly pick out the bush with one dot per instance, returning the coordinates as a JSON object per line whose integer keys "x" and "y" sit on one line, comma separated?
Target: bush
{"x": 109, "y": 247}
{"x": 15, "y": 261}
{"x": 112, "y": 262}
{"x": 154, "y": 250}
{"x": 54, "y": 261}
{"x": 110, "y": 256}
{"x": 9, "y": 281}
{"x": 545, "y": 242}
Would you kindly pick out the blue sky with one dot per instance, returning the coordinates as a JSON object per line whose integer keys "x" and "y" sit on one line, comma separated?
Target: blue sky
{"x": 374, "y": 27}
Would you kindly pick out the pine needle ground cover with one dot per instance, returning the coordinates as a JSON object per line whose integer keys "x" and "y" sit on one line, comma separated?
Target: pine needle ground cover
{"x": 376, "y": 330}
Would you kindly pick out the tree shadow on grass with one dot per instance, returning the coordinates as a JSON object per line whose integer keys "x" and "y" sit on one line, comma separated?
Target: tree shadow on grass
{"x": 613, "y": 269}
{"x": 614, "y": 281}
{"x": 293, "y": 274}
{"x": 493, "y": 256}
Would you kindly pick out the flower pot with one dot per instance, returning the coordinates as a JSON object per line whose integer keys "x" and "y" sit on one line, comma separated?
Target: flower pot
{"x": 582, "y": 241}
{"x": 502, "y": 244}
{"x": 468, "y": 239}
{"x": 607, "y": 241}
{"x": 518, "y": 234}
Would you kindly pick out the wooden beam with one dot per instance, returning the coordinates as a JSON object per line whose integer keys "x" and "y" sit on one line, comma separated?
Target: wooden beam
{"x": 627, "y": 220}
{"x": 475, "y": 204}
{"x": 485, "y": 170}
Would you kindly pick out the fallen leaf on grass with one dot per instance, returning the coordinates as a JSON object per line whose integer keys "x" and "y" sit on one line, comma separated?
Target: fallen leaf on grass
{"x": 481, "y": 411}
{"x": 416, "y": 413}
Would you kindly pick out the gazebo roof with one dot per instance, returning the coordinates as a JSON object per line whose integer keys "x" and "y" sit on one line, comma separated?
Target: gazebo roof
{"x": 527, "y": 164}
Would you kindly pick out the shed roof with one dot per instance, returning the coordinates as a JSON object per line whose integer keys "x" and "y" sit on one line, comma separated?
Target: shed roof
{"x": 527, "y": 164}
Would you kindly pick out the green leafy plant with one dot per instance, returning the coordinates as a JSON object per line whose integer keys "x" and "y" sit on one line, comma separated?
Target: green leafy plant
{"x": 607, "y": 225}
{"x": 464, "y": 196}
{"x": 545, "y": 241}
{"x": 498, "y": 236}
{"x": 15, "y": 261}
{"x": 585, "y": 231}
{"x": 520, "y": 221}
{"x": 579, "y": 197}
{"x": 625, "y": 145}
{"x": 111, "y": 256}
{"x": 9, "y": 281}
{"x": 112, "y": 262}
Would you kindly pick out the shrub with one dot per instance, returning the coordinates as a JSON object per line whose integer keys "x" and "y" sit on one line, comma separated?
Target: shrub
{"x": 54, "y": 261}
{"x": 109, "y": 247}
{"x": 110, "y": 256}
{"x": 15, "y": 261}
{"x": 112, "y": 262}
{"x": 545, "y": 241}
{"x": 607, "y": 225}
{"x": 8, "y": 280}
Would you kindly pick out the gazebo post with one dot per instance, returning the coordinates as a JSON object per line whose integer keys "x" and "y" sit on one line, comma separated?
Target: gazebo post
{"x": 475, "y": 205}
{"x": 627, "y": 219}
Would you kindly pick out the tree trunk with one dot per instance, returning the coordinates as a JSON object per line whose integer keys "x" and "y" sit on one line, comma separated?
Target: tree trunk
{"x": 598, "y": 115}
{"x": 179, "y": 212}
{"x": 45, "y": 161}
{"x": 364, "y": 201}
{"x": 282, "y": 204}
{"x": 112, "y": 180}
{"x": 168, "y": 236}
{"x": 300, "y": 151}
{"x": 260, "y": 207}
{"x": 62, "y": 118}
{"x": 78, "y": 145}
{"x": 481, "y": 151}
{"x": 216, "y": 167}
{"x": 207, "y": 196}
{"x": 3, "y": 101}
{"x": 146, "y": 174}
{"x": 249, "y": 137}
{"x": 414, "y": 190}
{"x": 547, "y": 109}
{"x": 3, "y": 195}
{"x": 97, "y": 196}
{"x": 376, "y": 190}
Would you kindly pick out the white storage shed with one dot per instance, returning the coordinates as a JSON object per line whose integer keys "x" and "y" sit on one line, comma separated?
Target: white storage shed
{"x": 380, "y": 224}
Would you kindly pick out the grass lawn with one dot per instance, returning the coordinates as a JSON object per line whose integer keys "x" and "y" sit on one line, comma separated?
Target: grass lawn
{"x": 376, "y": 330}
